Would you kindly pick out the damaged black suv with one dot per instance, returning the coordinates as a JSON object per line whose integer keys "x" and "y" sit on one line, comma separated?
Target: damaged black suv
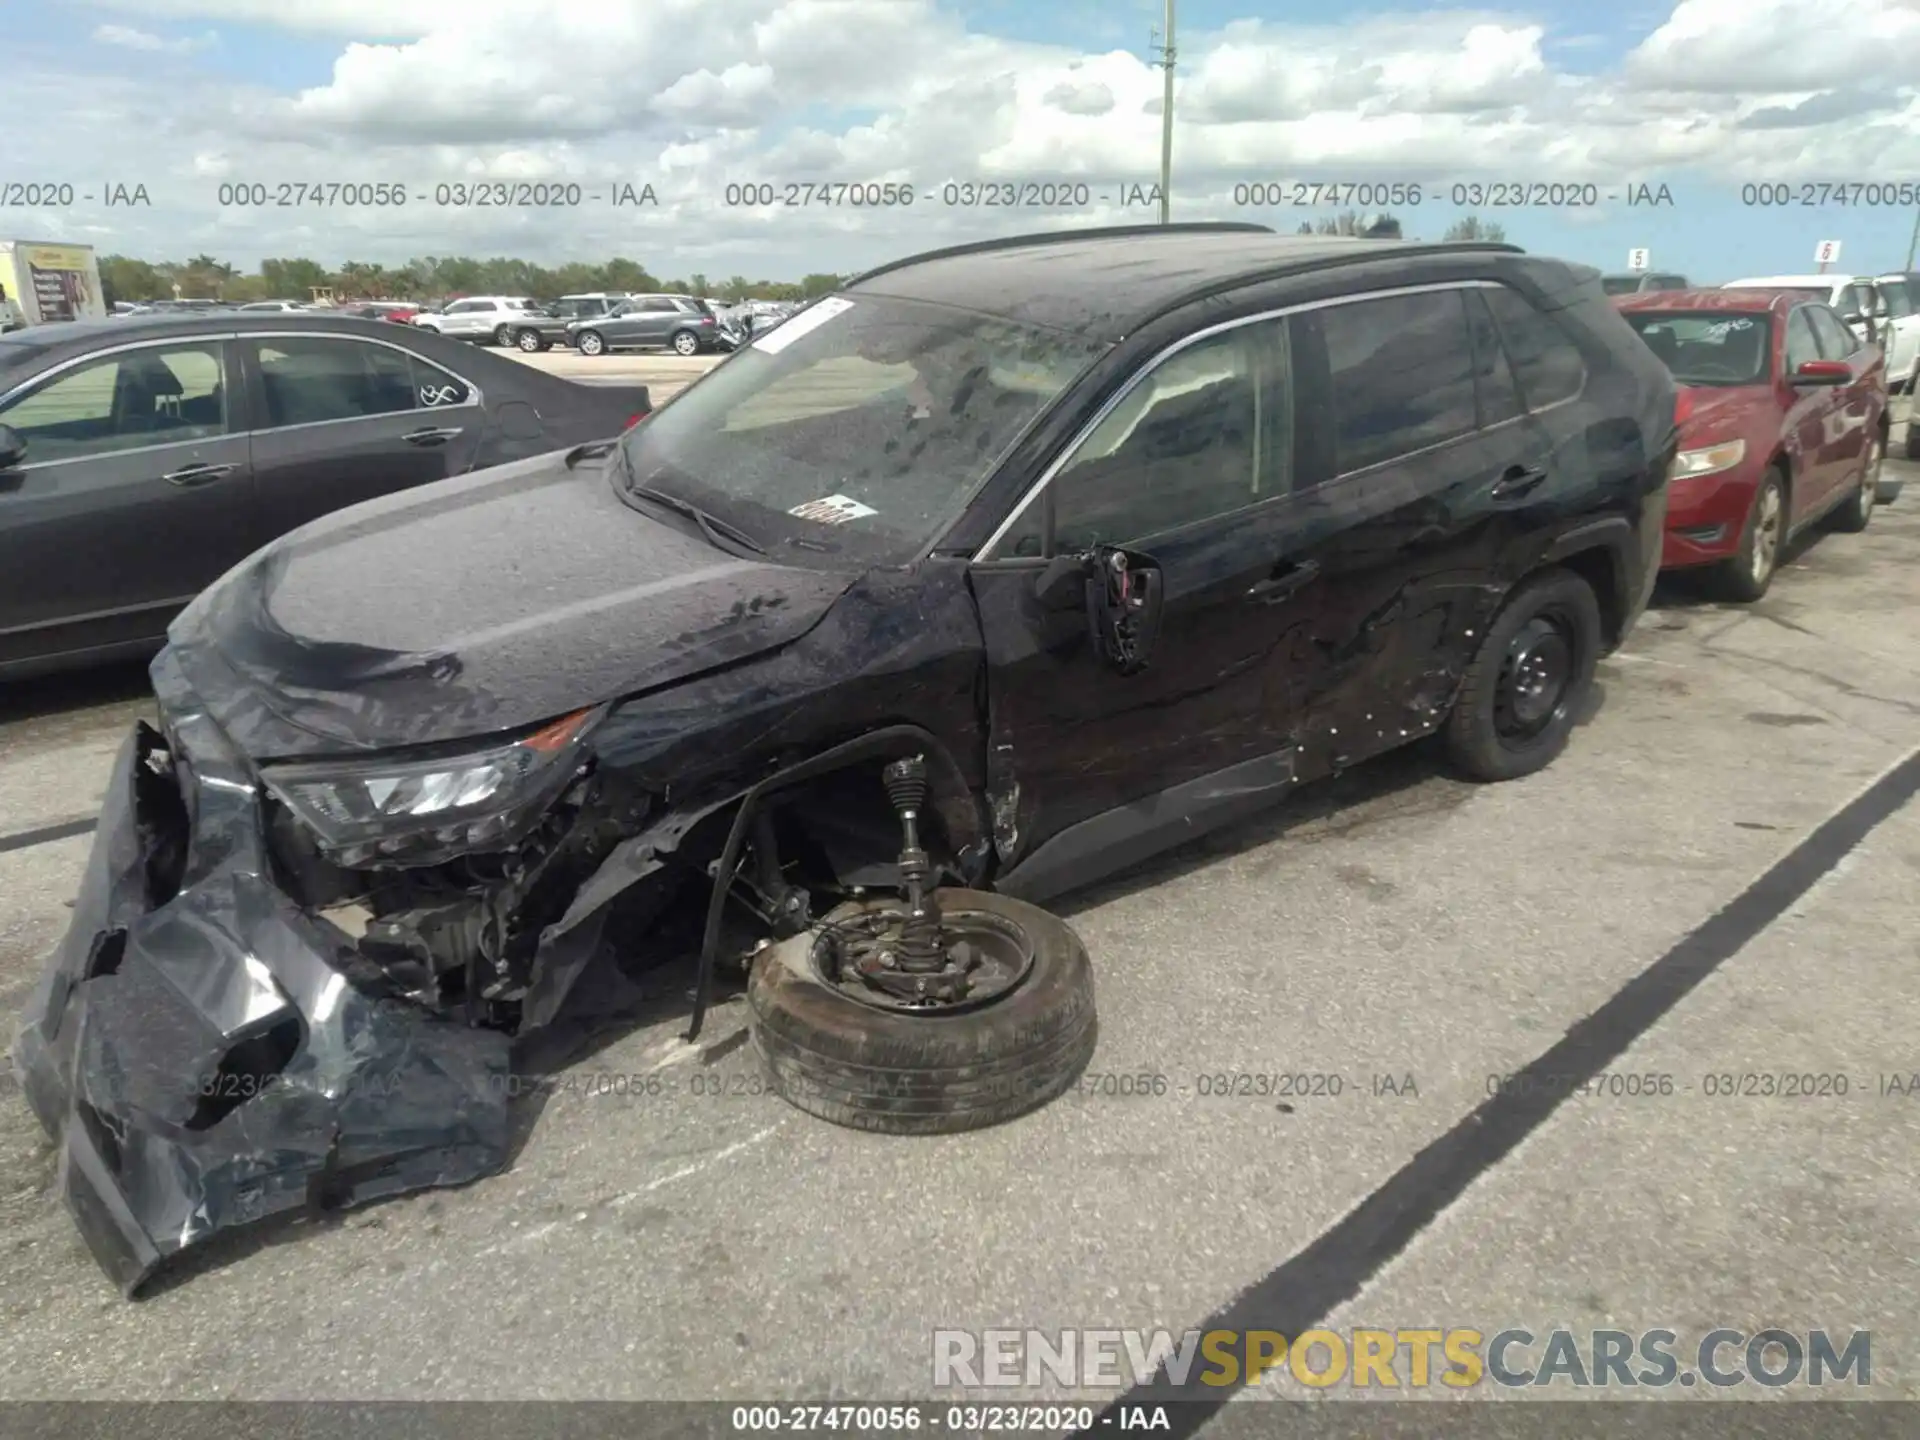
{"x": 998, "y": 570}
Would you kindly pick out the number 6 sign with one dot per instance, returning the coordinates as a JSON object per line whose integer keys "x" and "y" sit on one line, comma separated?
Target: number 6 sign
{"x": 1827, "y": 252}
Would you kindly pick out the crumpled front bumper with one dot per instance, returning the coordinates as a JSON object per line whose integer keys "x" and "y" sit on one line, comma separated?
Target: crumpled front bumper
{"x": 200, "y": 1057}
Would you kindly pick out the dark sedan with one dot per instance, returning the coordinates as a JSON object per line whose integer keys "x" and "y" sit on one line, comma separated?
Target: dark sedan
{"x": 140, "y": 459}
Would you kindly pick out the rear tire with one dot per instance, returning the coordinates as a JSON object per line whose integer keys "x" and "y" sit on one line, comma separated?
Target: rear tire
{"x": 502, "y": 336}
{"x": 1854, "y": 516}
{"x": 1745, "y": 576}
{"x": 1523, "y": 691}
{"x": 685, "y": 342}
{"x": 899, "y": 1073}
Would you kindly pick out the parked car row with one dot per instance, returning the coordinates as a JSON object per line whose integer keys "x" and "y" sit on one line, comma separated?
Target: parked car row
{"x": 594, "y": 324}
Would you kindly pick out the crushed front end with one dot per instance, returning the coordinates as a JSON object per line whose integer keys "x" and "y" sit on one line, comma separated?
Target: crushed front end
{"x": 246, "y": 1018}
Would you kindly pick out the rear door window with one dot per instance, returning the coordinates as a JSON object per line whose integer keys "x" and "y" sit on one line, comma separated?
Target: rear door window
{"x": 310, "y": 380}
{"x": 1545, "y": 360}
{"x": 1401, "y": 370}
{"x": 1498, "y": 391}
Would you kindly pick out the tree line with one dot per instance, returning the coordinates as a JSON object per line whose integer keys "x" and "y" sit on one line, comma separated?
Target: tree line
{"x": 431, "y": 278}
{"x": 428, "y": 279}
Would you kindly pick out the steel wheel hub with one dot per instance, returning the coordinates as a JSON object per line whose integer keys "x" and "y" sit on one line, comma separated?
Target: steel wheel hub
{"x": 1535, "y": 675}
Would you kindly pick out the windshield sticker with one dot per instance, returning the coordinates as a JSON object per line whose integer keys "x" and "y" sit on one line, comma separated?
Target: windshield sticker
{"x": 833, "y": 510}
{"x": 805, "y": 323}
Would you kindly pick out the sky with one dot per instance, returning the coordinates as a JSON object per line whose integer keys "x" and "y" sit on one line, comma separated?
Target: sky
{"x": 631, "y": 119}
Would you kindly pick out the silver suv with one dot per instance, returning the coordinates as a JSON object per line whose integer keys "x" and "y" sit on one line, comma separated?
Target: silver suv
{"x": 484, "y": 319}
{"x": 680, "y": 323}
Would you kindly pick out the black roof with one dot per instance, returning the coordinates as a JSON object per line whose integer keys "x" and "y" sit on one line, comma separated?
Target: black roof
{"x": 84, "y": 334}
{"x": 1104, "y": 283}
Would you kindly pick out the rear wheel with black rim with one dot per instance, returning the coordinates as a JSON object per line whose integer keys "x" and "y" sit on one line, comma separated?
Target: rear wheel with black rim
{"x": 1854, "y": 516}
{"x": 1745, "y": 575}
{"x": 848, "y": 1050}
{"x": 1525, "y": 687}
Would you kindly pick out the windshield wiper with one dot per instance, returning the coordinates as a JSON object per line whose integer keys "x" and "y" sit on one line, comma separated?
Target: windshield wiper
{"x": 717, "y": 531}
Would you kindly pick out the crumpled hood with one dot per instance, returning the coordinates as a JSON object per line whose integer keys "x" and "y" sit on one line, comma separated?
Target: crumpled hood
{"x": 474, "y": 605}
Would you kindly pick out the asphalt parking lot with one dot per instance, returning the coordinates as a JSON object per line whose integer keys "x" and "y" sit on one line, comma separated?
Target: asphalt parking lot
{"x": 706, "y": 1240}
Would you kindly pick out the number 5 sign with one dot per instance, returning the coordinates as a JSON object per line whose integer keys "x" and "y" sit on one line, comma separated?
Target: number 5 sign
{"x": 1638, "y": 260}
{"x": 1827, "y": 252}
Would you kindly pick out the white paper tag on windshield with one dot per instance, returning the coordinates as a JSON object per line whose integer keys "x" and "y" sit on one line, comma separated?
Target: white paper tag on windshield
{"x": 805, "y": 323}
{"x": 833, "y": 510}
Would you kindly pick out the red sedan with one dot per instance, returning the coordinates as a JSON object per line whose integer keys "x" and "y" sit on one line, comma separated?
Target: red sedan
{"x": 1783, "y": 422}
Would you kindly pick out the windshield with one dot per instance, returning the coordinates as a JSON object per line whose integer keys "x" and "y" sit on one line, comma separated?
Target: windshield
{"x": 860, "y": 425}
{"x": 1708, "y": 349}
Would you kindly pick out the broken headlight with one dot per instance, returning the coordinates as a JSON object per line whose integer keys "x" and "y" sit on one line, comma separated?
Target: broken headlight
{"x": 422, "y": 810}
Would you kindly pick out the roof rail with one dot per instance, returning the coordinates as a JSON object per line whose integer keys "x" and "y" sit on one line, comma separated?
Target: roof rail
{"x": 1359, "y": 254}
{"x": 1048, "y": 237}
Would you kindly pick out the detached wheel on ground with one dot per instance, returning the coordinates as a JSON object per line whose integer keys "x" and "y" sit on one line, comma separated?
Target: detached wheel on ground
{"x": 590, "y": 343}
{"x": 1854, "y": 516}
{"x": 1746, "y": 575}
{"x": 1524, "y": 688}
{"x": 841, "y": 1033}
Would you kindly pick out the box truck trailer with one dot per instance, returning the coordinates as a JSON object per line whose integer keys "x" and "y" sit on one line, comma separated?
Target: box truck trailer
{"x": 49, "y": 282}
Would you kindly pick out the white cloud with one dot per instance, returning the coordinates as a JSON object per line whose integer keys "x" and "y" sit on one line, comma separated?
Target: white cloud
{"x": 690, "y": 95}
{"x": 128, "y": 38}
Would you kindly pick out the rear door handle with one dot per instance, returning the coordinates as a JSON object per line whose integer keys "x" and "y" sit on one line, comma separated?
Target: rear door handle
{"x": 430, "y": 436}
{"x": 1518, "y": 481}
{"x": 1276, "y": 588}
{"x": 190, "y": 475}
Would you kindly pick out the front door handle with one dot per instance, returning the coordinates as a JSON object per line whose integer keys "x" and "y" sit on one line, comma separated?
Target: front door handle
{"x": 190, "y": 475}
{"x": 1519, "y": 480}
{"x": 1285, "y": 583}
{"x": 430, "y": 436}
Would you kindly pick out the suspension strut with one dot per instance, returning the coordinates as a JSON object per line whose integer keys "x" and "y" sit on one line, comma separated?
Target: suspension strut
{"x": 921, "y": 949}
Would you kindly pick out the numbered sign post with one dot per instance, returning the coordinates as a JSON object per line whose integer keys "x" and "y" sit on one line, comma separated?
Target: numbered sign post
{"x": 1826, "y": 253}
{"x": 1639, "y": 260}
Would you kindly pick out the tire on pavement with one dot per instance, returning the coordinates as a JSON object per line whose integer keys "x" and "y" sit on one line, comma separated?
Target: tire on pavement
{"x": 1857, "y": 513}
{"x": 897, "y": 1072}
{"x": 1745, "y": 575}
{"x": 588, "y": 342}
{"x": 1522, "y": 695}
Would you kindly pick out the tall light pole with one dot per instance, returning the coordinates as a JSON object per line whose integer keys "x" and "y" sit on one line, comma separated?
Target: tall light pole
{"x": 1913, "y": 243}
{"x": 1166, "y": 119}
